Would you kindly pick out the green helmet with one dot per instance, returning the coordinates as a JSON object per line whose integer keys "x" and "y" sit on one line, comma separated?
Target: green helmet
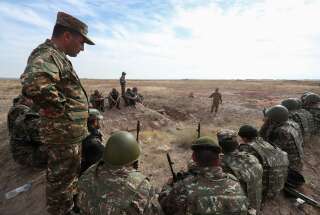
{"x": 121, "y": 149}
{"x": 311, "y": 98}
{"x": 206, "y": 142}
{"x": 94, "y": 114}
{"x": 291, "y": 104}
{"x": 278, "y": 113}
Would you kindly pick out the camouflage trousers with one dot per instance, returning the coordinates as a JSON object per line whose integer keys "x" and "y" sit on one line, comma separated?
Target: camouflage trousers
{"x": 123, "y": 89}
{"x": 214, "y": 107}
{"x": 62, "y": 177}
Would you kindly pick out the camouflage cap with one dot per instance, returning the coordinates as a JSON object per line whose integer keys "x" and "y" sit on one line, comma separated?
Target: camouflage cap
{"x": 206, "y": 142}
{"x": 73, "y": 23}
{"x": 227, "y": 140}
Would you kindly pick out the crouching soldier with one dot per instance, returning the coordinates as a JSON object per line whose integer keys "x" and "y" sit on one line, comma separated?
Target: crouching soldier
{"x": 210, "y": 191}
{"x": 244, "y": 166}
{"x": 92, "y": 147}
{"x": 273, "y": 160}
{"x": 112, "y": 186}
{"x": 114, "y": 98}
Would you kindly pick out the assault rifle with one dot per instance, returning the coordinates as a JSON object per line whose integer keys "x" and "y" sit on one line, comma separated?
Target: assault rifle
{"x": 295, "y": 180}
{"x": 180, "y": 175}
{"x": 199, "y": 129}
{"x": 136, "y": 163}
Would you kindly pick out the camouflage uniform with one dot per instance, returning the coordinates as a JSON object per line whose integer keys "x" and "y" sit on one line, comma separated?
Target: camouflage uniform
{"x": 287, "y": 136}
{"x": 123, "y": 83}
{"x": 110, "y": 190}
{"x": 14, "y": 112}
{"x": 249, "y": 171}
{"x": 274, "y": 162}
{"x": 130, "y": 98}
{"x": 211, "y": 191}
{"x": 25, "y": 143}
{"x": 50, "y": 80}
{"x": 114, "y": 99}
{"x": 315, "y": 111}
{"x": 305, "y": 121}
{"x": 97, "y": 100}
{"x": 216, "y": 100}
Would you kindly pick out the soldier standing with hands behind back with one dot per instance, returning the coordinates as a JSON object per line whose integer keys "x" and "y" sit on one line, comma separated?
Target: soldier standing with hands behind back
{"x": 123, "y": 83}
{"x": 51, "y": 82}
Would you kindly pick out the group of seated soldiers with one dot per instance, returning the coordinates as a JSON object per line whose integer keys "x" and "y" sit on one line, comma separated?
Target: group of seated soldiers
{"x": 130, "y": 98}
{"x": 233, "y": 175}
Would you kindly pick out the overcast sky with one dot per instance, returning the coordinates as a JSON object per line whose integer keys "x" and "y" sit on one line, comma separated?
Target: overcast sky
{"x": 173, "y": 39}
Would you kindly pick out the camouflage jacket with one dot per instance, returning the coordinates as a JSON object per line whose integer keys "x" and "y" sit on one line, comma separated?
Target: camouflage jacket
{"x": 210, "y": 191}
{"x": 315, "y": 111}
{"x": 287, "y": 136}
{"x": 305, "y": 121}
{"x": 110, "y": 190}
{"x": 216, "y": 97}
{"x": 50, "y": 81}
{"x": 274, "y": 162}
{"x": 122, "y": 80}
{"x": 248, "y": 170}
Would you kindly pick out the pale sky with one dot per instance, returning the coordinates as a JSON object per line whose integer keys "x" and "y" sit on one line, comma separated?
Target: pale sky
{"x": 173, "y": 39}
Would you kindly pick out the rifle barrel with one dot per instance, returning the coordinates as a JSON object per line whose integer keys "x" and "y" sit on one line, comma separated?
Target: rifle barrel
{"x": 307, "y": 199}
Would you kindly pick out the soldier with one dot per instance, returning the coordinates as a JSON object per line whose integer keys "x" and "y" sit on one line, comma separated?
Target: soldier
{"x": 300, "y": 116}
{"x": 25, "y": 143}
{"x": 92, "y": 147}
{"x": 311, "y": 102}
{"x": 138, "y": 95}
{"x": 123, "y": 83}
{"x": 130, "y": 98}
{"x": 112, "y": 186}
{"x": 285, "y": 134}
{"x": 114, "y": 98}
{"x": 210, "y": 191}
{"x": 244, "y": 166}
{"x": 97, "y": 100}
{"x": 51, "y": 82}
{"x": 273, "y": 160}
{"x": 216, "y": 100}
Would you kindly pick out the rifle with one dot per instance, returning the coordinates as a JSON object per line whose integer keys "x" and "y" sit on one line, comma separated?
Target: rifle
{"x": 136, "y": 163}
{"x": 174, "y": 175}
{"x": 295, "y": 180}
{"x": 199, "y": 129}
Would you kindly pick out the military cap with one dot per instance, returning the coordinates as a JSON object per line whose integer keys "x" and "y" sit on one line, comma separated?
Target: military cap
{"x": 73, "y": 23}
{"x": 206, "y": 142}
{"x": 227, "y": 135}
{"x": 247, "y": 131}
{"x": 123, "y": 73}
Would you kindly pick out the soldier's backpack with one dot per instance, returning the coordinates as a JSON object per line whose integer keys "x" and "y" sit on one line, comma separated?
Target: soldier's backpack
{"x": 274, "y": 162}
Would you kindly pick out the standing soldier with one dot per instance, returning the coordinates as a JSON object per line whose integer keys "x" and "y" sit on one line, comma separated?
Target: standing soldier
{"x": 51, "y": 82}
{"x": 113, "y": 186}
{"x": 216, "y": 100}
{"x": 123, "y": 83}
{"x": 285, "y": 134}
{"x": 273, "y": 160}
{"x": 210, "y": 191}
{"x": 244, "y": 166}
{"x": 301, "y": 116}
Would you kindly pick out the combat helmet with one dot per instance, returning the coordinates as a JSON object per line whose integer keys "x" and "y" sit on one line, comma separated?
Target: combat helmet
{"x": 121, "y": 149}
{"x": 291, "y": 104}
{"x": 94, "y": 114}
{"x": 311, "y": 99}
{"x": 206, "y": 142}
{"x": 277, "y": 113}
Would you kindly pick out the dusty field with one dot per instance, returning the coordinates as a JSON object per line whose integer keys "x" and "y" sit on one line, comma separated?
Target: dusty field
{"x": 169, "y": 120}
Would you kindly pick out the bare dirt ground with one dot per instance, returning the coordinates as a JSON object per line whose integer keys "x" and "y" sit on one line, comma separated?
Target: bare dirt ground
{"x": 169, "y": 119}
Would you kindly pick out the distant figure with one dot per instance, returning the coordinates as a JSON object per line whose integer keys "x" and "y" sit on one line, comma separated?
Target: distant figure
{"x": 97, "y": 100}
{"x": 139, "y": 97}
{"x": 130, "y": 98}
{"x": 191, "y": 95}
{"x": 123, "y": 83}
{"x": 114, "y": 98}
{"x": 92, "y": 147}
{"x": 216, "y": 100}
